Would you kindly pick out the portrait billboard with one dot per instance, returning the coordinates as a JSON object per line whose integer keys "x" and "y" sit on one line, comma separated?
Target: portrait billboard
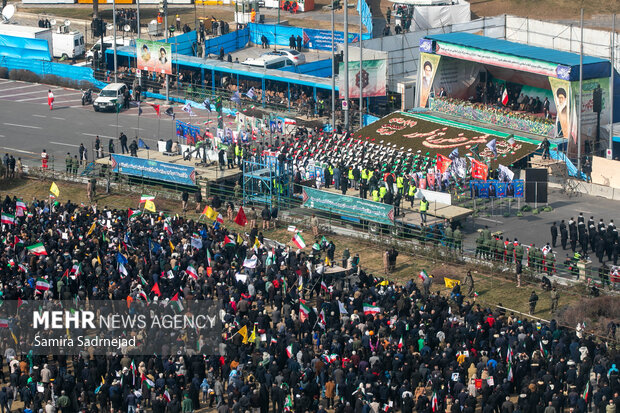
{"x": 154, "y": 56}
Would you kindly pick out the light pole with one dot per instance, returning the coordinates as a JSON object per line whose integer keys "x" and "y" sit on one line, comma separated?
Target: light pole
{"x": 346, "y": 64}
{"x": 333, "y": 75}
{"x": 114, "y": 23}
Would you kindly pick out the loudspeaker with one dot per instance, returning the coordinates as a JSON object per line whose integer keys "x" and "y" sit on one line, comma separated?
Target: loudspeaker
{"x": 597, "y": 100}
{"x": 536, "y": 185}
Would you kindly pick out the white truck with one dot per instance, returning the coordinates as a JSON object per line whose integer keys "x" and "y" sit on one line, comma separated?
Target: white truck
{"x": 27, "y": 32}
{"x": 68, "y": 43}
{"x": 108, "y": 42}
{"x": 62, "y": 42}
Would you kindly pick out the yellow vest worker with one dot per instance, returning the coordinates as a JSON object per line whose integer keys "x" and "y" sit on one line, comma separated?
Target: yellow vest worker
{"x": 375, "y": 196}
{"x": 382, "y": 191}
{"x": 364, "y": 174}
{"x": 351, "y": 177}
{"x": 423, "y": 205}
{"x": 412, "y": 190}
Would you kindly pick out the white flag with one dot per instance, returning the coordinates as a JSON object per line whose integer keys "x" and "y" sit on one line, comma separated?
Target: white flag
{"x": 187, "y": 108}
{"x": 503, "y": 170}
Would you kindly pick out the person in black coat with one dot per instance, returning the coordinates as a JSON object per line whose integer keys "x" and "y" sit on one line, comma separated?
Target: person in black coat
{"x": 291, "y": 41}
{"x": 298, "y": 43}
{"x": 554, "y": 234}
{"x": 563, "y": 234}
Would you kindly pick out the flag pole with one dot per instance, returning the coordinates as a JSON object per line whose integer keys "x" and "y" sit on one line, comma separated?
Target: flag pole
{"x": 360, "y": 72}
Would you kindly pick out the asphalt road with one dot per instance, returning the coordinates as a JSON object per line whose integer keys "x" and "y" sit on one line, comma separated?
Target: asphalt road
{"x": 27, "y": 126}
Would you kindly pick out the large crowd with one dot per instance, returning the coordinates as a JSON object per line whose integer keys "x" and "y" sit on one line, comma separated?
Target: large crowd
{"x": 369, "y": 345}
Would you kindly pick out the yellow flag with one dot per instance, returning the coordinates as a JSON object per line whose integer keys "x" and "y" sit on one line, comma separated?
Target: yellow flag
{"x": 252, "y": 338}
{"x": 256, "y": 243}
{"x": 54, "y": 190}
{"x": 210, "y": 213}
{"x": 98, "y": 259}
{"x": 171, "y": 246}
{"x": 450, "y": 283}
{"x": 14, "y": 338}
{"x": 150, "y": 206}
{"x": 384, "y": 282}
{"x": 239, "y": 239}
{"x": 244, "y": 333}
{"x": 92, "y": 228}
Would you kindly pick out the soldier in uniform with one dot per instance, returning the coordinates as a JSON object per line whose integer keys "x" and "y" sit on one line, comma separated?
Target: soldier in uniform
{"x": 448, "y": 234}
{"x": 458, "y": 239}
{"x": 555, "y": 298}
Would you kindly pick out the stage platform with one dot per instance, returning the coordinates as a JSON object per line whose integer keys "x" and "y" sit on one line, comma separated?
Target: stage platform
{"x": 210, "y": 173}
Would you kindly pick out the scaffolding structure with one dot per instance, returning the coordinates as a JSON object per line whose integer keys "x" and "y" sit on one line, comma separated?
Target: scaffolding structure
{"x": 267, "y": 181}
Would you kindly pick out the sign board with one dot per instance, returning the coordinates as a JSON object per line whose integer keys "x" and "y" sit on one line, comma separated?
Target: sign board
{"x": 608, "y": 154}
{"x": 150, "y": 169}
{"x": 345, "y": 105}
{"x": 348, "y": 206}
{"x": 154, "y": 56}
{"x": 138, "y": 73}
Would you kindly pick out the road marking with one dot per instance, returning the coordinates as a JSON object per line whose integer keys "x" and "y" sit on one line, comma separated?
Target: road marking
{"x": 17, "y": 150}
{"x": 22, "y": 126}
{"x": 38, "y": 97}
{"x": 2, "y": 136}
{"x": 57, "y": 118}
{"x": 65, "y": 144}
{"x": 95, "y": 135}
{"x": 43, "y": 94}
{"x": 19, "y": 87}
{"x": 491, "y": 220}
{"x": 39, "y": 116}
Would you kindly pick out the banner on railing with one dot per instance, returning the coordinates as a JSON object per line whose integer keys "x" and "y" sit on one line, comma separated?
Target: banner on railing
{"x": 190, "y": 133}
{"x": 349, "y": 206}
{"x": 150, "y": 169}
{"x": 496, "y": 189}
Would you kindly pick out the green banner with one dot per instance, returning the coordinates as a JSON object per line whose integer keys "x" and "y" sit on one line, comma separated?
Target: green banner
{"x": 349, "y": 206}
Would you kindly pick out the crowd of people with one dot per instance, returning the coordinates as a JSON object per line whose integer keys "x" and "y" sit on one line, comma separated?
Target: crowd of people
{"x": 368, "y": 345}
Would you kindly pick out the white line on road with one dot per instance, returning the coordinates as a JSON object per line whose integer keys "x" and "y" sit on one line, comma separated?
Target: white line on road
{"x": 43, "y": 94}
{"x": 19, "y": 87}
{"x": 2, "y": 136}
{"x": 39, "y": 116}
{"x": 38, "y": 97}
{"x": 17, "y": 150}
{"x": 57, "y": 118}
{"x": 22, "y": 126}
{"x": 95, "y": 135}
{"x": 65, "y": 144}
{"x": 495, "y": 221}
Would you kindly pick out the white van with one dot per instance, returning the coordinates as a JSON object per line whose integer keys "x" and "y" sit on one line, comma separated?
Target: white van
{"x": 108, "y": 43}
{"x": 269, "y": 61}
{"x": 108, "y": 97}
{"x": 68, "y": 44}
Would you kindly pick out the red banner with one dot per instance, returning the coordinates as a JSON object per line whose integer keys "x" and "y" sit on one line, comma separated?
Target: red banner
{"x": 443, "y": 163}
{"x": 479, "y": 170}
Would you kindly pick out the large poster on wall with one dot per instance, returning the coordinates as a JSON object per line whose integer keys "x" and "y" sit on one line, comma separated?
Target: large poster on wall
{"x": 154, "y": 56}
{"x": 458, "y": 78}
{"x": 588, "y": 116}
{"x": 372, "y": 79}
{"x": 561, "y": 96}
{"x": 426, "y": 76}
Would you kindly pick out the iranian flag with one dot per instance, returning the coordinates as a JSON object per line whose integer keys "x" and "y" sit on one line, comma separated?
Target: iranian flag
{"x": 289, "y": 351}
{"x": 37, "y": 249}
{"x": 167, "y": 228}
{"x": 167, "y": 396}
{"x": 423, "y": 275}
{"x": 228, "y": 242}
{"x": 510, "y": 374}
{"x": 20, "y": 207}
{"x": 176, "y": 302}
{"x": 42, "y": 285}
{"x": 133, "y": 213}
{"x": 371, "y": 309}
{"x": 8, "y": 218}
{"x": 143, "y": 296}
{"x": 434, "y": 402}
{"x": 400, "y": 343}
{"x": 191, "y": 271}
{"x": 4, "y": 323}
{"x": 145, "y": 198}
{"x": 324, "y": 286}
{"x": 586, "y": 392}
{"x": 76, "y": 270}
{"x": 304, "y": 311}
{"x": 299, "y": 241}
{"x": 505, "y": 97}
{"x": 220, "y": 218}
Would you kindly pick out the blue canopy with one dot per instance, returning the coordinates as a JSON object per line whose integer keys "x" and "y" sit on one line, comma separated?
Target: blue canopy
{"x": 593, "y": 67}
{"x": 23, "y": 48}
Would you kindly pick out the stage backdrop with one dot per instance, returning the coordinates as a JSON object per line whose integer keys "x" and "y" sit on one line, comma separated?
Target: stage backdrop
{"x": 373, "y": 78}
{"x": 605, "y": 172}
{"x": 154, "y": 56}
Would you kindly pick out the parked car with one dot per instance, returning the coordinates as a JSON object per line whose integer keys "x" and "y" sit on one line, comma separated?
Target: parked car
{"x": 296, "y": 57}
{"x": 109, "y": 96}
